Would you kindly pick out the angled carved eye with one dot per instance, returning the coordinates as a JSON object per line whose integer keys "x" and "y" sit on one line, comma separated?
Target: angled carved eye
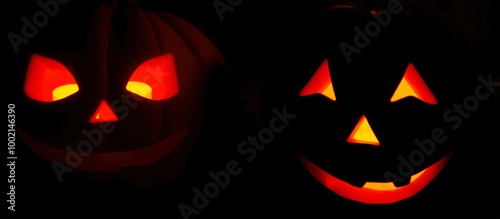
{"x": 413, "y": 85}
{"x": 320, "y": 83}
{"x": 155, "y": 79}
{"x": 48, "y": 80}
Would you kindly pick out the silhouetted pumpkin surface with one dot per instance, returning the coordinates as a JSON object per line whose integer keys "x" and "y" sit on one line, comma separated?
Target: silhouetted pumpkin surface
{"x": 119, "y": 88}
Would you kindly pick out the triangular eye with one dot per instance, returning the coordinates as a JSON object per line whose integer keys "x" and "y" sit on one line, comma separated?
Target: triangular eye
{"x": 48, "y": 80}
{"x": 413, "y": 85}
{"x": 155, "y": 79}
{"x": 320, "y": 83}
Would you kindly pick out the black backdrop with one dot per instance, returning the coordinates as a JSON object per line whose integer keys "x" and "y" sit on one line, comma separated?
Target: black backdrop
{"x": 272, "y": 49}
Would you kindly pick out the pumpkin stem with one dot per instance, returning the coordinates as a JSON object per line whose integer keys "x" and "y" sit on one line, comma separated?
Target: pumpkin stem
{"x": 123, "y": 3}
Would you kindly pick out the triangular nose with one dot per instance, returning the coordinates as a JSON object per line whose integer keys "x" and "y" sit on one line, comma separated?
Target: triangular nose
{"x": 103, "y": 113}
{"x": 363, "y": 133}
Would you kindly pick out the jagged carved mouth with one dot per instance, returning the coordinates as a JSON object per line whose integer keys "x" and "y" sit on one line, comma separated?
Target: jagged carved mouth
{"x": 375, "y": 192}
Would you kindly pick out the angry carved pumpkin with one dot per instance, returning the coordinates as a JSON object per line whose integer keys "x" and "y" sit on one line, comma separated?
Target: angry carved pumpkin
{"x": 117, "y": 89}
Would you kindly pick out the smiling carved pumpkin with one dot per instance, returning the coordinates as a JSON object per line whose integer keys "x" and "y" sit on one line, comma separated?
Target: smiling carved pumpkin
{"x": 363, "y": 136}
{"x": 118, "y": 88}
{"x": 371, "y": 125}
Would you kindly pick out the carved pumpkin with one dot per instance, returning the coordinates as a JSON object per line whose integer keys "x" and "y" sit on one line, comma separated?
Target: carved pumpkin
{"x": 370, "y": 126}
{"x": 122, "y": 90}
{"x": 410, "y": 88}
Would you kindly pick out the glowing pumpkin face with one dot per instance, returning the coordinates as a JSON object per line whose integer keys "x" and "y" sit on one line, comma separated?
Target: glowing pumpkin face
{"x": 360, "y": 158}
{"x": 127, "y": 91}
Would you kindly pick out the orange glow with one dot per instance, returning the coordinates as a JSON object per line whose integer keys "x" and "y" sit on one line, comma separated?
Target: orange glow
{"x": 64, "y": 91}
{"x": 415, "y": 176}
{"x": 339, "y": 6}
{"x": 375, "y": 192}
{"x": 103, "y": 114}
{"x": 413, "y": 85}
{"x": 320, "y": 83}
{"x": 389, "y": 185}
{"x": 48, "y": 80}
{"x": 380, "y": 185}
{"x": 155, "y": 79}
{"x": 363, "y": 133}
{"x": 140, "y": 89}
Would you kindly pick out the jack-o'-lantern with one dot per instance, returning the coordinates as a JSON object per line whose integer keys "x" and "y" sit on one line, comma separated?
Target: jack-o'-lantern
{"x": 369, "y": 140}
{"x": 118, "y": 89}
{"x": 370, "y": 125}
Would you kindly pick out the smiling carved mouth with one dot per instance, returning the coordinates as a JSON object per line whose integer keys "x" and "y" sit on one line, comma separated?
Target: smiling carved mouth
{"x": 109, "y": 161}
{"x": 375, "y": 192}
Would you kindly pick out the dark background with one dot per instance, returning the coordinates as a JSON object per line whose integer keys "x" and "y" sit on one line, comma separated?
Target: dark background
{"x": 272, "y": 49}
